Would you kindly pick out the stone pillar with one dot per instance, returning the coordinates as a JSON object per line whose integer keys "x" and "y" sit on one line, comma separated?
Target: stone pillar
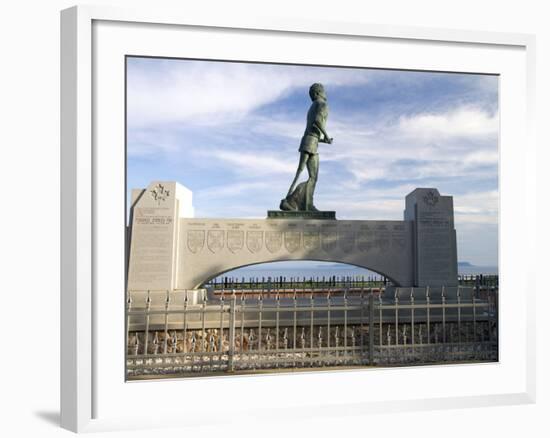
{"x": 153, "y": 234}
{"x": 434, "y": 238}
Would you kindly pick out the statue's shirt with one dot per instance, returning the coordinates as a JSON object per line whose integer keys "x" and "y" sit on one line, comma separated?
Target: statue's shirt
{"x": 316, "y": 116}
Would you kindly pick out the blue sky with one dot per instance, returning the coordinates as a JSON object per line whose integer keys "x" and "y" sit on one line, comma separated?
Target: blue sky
{"x": 230, "y": 132}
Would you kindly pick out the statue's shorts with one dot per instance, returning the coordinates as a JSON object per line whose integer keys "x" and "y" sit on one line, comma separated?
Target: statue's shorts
{"x": 309, "y": 144}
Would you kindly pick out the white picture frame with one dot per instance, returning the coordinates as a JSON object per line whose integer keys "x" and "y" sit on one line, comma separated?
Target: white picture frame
{"x": 94, "y": 395}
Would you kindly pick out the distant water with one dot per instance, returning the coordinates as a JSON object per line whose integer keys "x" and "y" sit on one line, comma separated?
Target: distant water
{"x": 323, "y": 269}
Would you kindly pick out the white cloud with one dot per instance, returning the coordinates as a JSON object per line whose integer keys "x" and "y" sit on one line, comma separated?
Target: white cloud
{"x": 231, "y": 190}
{"x": 482, "y": 157}
{"x": 374, "y": 203}
{"x": 477, "y": 208}
{"x": 366, "y": 209}
{"x": 216, "y": 92}
{"x": 448, "y": 144}
{"x": 291, "y": 129}
{"x": 143, "y": 142}
{"x": 254, "y": 164}
{"x": 463, "y": 122}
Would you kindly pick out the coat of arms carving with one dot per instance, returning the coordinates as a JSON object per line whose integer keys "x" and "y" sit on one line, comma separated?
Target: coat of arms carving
{"x": 292, "y": 240}
{"x": 195, "y": 240}
{"x": 311, "y": 240}
{"x": 254, "y": 240}
{"x": 215, "y": 240}
{"x": 364, "y": 240}
{"x": 273, "y": 240}
{"x": 235, "y": 240}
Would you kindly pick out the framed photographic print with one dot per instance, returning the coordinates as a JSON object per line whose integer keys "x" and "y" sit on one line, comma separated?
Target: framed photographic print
{"x": 258, "y": 208}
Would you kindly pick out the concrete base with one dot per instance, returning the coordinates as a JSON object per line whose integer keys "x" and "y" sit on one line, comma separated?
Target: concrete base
{"x": 300, "y": 214}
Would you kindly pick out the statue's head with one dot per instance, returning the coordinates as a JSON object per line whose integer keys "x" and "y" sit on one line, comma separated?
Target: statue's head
{"x": 317, "y": 90}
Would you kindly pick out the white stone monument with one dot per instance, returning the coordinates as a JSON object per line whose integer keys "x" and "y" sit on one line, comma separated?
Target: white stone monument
{"x": 434, "y": 237}
{"x": 171, "y": 250}
{"x": 154, "y": 217}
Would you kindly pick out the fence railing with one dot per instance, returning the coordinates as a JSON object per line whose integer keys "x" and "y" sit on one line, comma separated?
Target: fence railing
{"x": 230, "y": 331}
{"x": 273, "y": 283}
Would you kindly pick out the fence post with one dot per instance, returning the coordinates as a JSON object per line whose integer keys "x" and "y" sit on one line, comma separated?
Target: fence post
{"x": 371, "y": 328}
{"x": 128, "y": 309}
{"x": 166, "y": 309}
{"x": 147, "y": 319}
{"x": 496, "y": 341}
{"x": 232, "y": 332}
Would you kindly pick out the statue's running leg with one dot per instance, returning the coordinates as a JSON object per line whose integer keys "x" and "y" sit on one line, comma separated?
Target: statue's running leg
{"x": 313, "y": 172}
{"x": 301, "y": 165}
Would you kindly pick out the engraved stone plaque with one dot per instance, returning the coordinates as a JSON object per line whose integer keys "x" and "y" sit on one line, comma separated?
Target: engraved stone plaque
{"x": 273, "y": 240}
{"x": 435, "y": 250}
{"x": 195, "y": 240}
{"x": 254, "y": 240}
{"x": 154, "y": 235}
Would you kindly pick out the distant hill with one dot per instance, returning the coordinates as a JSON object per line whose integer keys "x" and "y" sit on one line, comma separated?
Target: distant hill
{"x": 466, "y": 268}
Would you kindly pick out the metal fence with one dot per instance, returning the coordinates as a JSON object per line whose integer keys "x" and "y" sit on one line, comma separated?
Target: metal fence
{"x": 272, "y": 283}
{"x": 194, "y": 333}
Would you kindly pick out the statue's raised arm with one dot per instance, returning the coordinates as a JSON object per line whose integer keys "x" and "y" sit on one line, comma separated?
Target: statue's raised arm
{"x": 320, "y": 120}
